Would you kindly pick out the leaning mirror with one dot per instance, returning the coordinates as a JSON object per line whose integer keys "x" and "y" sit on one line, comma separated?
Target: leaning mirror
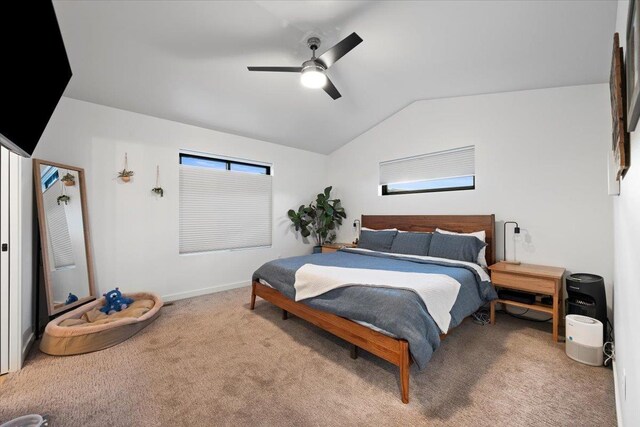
{"x": 64, "y": 235}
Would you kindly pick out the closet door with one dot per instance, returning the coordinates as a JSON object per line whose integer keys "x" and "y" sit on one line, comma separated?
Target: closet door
{"x": 4, "y": 259}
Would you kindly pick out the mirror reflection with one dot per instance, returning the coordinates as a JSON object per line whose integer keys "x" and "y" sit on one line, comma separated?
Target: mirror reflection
{"x": 61, "y": 213}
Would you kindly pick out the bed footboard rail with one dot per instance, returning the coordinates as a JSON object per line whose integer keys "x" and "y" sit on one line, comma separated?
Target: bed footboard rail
{"x": 392, "y": 350}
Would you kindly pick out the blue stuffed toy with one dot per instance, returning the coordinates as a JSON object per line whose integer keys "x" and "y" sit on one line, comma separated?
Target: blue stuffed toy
{"x": 114, "y": 301}
{"x": 71, "y": 299}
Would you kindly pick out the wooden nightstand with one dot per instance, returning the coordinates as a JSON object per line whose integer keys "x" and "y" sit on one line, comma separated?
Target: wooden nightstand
{"x": 332, "y": 247}
{"x": 538, "y": 279}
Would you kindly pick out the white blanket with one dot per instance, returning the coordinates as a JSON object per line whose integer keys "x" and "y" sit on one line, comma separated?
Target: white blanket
{"x": 438, "y": 291}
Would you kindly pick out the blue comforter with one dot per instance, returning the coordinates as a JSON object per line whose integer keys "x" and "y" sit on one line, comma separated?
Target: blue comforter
{"x": 400, "y": 312}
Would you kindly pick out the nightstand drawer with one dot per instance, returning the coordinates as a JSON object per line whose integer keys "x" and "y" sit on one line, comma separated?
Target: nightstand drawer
{"x": 525, "y": 283}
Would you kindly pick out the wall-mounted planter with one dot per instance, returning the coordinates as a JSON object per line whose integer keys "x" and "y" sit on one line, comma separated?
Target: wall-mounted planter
{"x": 125, "y": 174}
{"x": 63, "y": 199}
{"x": 157, "y": 189}
{"x": 68, "y": 180}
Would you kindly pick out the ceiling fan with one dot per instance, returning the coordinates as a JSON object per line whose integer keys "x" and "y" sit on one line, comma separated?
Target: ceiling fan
{"x": 313, "y": 72}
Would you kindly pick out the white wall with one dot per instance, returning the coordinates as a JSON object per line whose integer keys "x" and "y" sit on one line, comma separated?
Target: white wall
{"x": 626, "y": 221}
{"x": 540, "y": 160}
{"x": 134, "y": 232}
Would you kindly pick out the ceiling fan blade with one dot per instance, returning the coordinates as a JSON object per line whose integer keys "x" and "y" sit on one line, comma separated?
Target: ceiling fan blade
{"x": 331, "y": 90}
{"x": 339, "y": 50}
{"x": 279, "y": 69}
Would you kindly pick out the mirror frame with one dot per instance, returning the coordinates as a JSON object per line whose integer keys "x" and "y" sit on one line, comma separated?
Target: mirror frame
{"x": 44, "y": 248}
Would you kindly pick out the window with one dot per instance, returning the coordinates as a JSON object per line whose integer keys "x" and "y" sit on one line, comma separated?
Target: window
{"x": 224, "y": 204}
{"x": 223, "y": 164}
{"x": 49, "y": 177}
{"x": 448, "y": 170}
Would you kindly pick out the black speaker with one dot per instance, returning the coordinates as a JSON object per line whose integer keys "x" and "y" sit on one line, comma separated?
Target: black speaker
{"x": 586, "y": 296}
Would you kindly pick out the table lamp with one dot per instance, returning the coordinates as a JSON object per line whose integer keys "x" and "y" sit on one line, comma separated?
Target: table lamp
{"x": 516, "y": 230}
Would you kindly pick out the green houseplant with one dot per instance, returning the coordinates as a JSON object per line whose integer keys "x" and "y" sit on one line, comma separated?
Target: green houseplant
{"x": 319, "y": 219}
{"x": 63, "y": 199}
{"x": 125, "y": 174}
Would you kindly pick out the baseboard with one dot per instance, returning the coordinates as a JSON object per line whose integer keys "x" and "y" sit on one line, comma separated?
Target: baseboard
{"x": 204, "y": 291}
{"x": 27, "y": 346}
{"x": 617, "y": 394}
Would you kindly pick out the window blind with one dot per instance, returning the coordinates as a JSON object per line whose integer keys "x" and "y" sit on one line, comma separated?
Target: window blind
{"x": 58, "y": 230}
{"x": 222, "y": 209}
{"x": 442, "y": 164}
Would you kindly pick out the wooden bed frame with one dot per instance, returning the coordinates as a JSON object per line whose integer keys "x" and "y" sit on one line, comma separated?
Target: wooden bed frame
{"x": 390, "y": 349}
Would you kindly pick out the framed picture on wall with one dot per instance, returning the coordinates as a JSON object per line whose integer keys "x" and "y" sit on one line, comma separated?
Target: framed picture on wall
{"x": 633, "y": 66}
{"x": 619, "y": 135}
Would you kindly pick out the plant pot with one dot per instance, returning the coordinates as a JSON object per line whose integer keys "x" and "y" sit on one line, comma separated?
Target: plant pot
{"x": 125, "y": 178}
{"x": 69, "y": 183}
{"x": 317, "y": 249}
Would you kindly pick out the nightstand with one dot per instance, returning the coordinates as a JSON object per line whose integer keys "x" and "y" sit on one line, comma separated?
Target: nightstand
{"x": 332, "y": 247}
{"x": 537, "y": 279}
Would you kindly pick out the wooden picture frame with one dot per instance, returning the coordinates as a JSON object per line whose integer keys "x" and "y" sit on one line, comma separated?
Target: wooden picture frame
{"x": 632, "y": 66}
{"x": 619, "y": 134}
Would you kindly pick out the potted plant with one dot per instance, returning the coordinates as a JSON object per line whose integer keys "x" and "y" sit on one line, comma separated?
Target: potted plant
{"x": 157, "y": 189}
{"x": 63, "y": 198}
{"x": 319, "y": 219}
{"x": 125, "y": 175}
{"x": 68, "y": 180}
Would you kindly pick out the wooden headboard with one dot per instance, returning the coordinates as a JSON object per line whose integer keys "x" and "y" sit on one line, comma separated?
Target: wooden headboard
{"x": 457, "y": 223}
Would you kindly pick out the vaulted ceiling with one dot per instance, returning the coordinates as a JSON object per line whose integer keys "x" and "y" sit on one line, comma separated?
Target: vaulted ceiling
{"x": 186, "y": 61}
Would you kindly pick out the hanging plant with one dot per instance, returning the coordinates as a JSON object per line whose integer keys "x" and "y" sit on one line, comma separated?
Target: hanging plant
{"x": 64, "y": 198}
{"x": 68, "y": 180}
{"x": 157, "y": 189}
{"x": 125, "y": 174}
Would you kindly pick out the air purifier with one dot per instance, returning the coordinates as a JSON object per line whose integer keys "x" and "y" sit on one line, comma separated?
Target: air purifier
{"x": 584, "y": 339}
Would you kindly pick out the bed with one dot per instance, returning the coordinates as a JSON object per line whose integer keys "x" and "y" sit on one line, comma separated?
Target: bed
{"x": 393, "y": 323}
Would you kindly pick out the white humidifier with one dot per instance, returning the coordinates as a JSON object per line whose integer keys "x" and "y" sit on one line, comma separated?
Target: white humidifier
{"x": 584, "y": 339}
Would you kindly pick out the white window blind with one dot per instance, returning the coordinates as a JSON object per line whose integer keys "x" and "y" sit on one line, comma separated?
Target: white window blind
{"x": 442, "y": 164}
{"x": 223, "y": 209}
{"x": 58, "y": 229}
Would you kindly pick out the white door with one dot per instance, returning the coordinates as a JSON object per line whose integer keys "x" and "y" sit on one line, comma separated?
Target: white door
{"x": 5, "y": 277}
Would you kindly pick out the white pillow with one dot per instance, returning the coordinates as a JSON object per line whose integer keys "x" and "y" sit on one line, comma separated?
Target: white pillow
{"x": 480, "y": 235}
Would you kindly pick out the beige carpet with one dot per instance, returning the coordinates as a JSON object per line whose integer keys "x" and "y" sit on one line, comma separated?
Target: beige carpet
{"x": 211, "y": 361}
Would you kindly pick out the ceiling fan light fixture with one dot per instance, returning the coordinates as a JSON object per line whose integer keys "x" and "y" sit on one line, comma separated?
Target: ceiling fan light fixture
{"x": 313, "y": 76}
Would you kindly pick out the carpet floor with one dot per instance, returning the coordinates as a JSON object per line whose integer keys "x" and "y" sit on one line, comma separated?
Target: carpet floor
{"x": 211, "y": 361}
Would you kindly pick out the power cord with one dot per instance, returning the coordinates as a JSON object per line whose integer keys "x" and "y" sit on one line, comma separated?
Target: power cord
{"x": 609, "y": 350}
{"x": 520, "y": 315}
{"x": 481, "y": 317}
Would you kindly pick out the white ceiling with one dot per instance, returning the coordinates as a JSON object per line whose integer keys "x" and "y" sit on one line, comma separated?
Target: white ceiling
{"x": 186, "y": 61}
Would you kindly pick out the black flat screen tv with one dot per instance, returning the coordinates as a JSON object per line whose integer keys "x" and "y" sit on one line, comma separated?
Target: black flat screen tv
{"x": 34, "y": 71}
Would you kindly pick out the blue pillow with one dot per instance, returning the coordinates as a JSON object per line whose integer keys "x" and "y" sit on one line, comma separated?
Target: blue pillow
{"x": 456, "y": 247}
{"x": 377, "y": 240}
{"x": 411, "y": 243}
